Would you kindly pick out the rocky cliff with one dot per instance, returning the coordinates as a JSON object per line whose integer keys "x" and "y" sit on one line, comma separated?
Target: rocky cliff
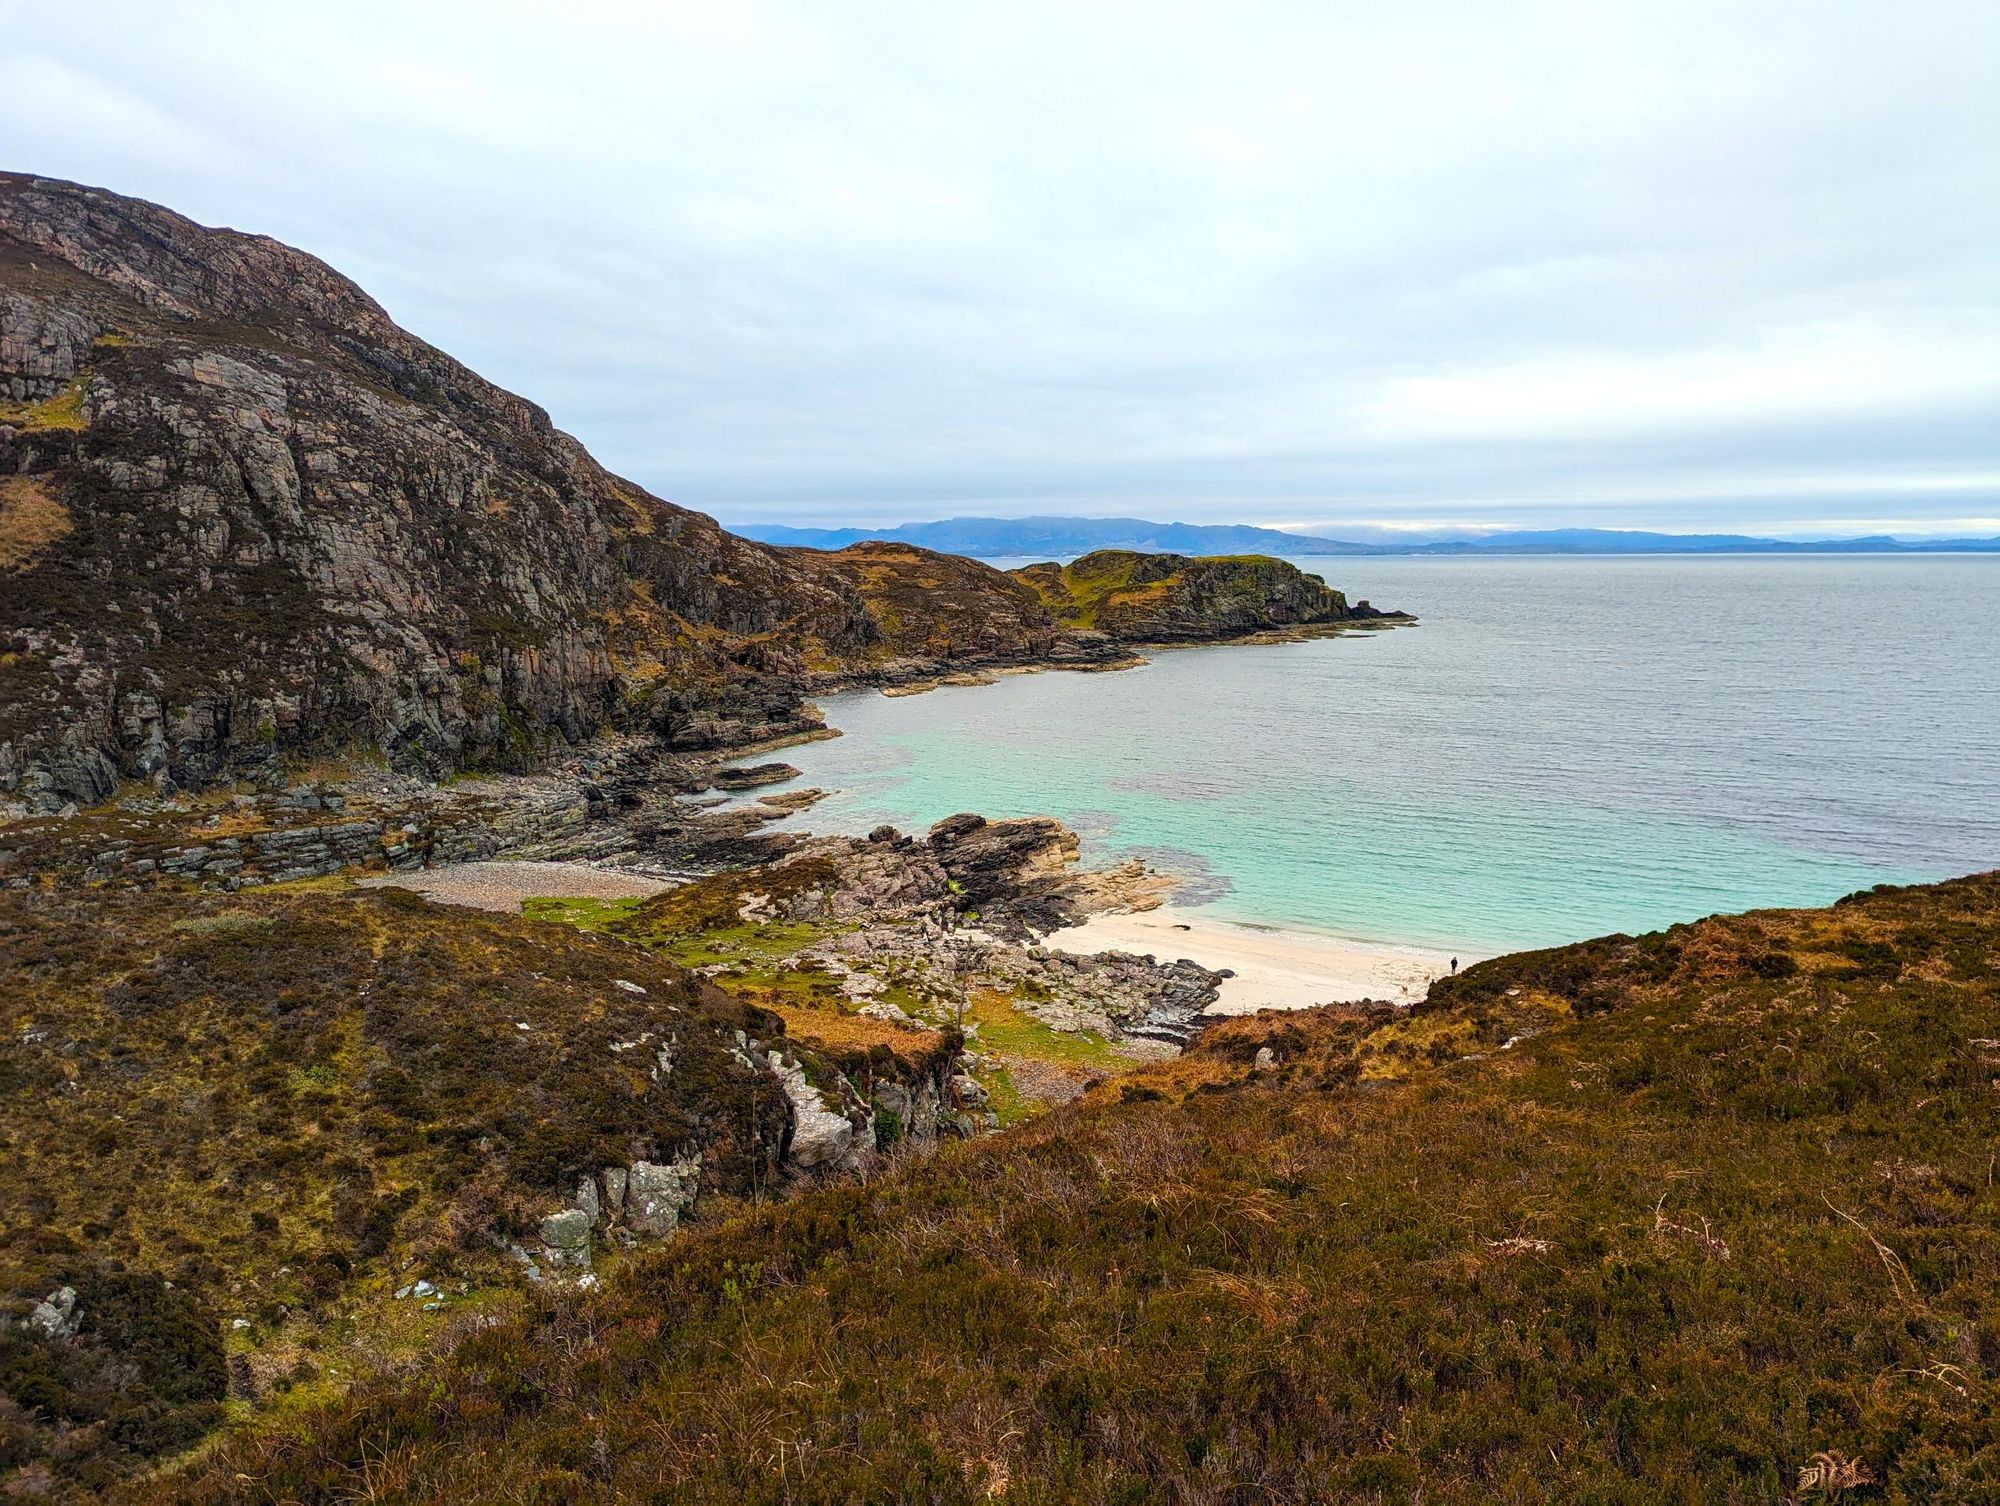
{"x": 245, "y": 518}
{"x": 1173, "y": 598}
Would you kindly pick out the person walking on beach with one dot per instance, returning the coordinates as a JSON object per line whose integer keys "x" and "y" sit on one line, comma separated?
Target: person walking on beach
{"x": 1454, "y": 967}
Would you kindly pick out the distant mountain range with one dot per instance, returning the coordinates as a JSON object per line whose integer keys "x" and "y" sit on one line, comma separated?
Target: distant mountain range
{"x": 1062, "y": 538}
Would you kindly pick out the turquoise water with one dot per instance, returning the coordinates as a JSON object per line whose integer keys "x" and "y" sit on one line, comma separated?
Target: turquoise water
{"x": 1564, "y": 747}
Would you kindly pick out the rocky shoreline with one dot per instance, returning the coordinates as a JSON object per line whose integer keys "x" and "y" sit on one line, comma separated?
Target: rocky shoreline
{"x": 968, "y": 899}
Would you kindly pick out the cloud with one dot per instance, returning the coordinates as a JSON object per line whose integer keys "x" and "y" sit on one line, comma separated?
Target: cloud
{"x": 1537, "y": 261}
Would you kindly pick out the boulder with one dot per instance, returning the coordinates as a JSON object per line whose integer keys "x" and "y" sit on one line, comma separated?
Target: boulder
{"x": 754, "y": 776}
{"x": 55, "y": 1315}
{"x": 657, "y": 1195}
{"x": 566, "y": 1239}
{"x": 820, "y": 1137}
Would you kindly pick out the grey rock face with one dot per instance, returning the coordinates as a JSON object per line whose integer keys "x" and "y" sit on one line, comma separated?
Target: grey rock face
{"x": 821, "y": 1138}
{"x": 657, "y": 1195}
{"x": 55, "y": 1315}
{"x": 968, "y": 1091}
{"x": 337, "y": 530}
{"x": 614, "y": 1179}
{"x": 566, "y": 1239}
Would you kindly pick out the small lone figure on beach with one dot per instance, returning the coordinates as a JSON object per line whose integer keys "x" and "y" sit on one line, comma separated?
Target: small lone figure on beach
{"x": 1454, "y": 967}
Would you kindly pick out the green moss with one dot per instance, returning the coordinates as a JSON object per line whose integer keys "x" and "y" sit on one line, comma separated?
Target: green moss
{"x": 583, "y": 914}
{"x": 1006, "y": 1029}
{"x": 63, "y": 412}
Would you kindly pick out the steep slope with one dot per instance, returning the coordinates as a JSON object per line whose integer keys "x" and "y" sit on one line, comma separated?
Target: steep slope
{"x": 1702, "y": 1216}
{"x": 240, "y": 1129}
{"x": 270, "y": 519}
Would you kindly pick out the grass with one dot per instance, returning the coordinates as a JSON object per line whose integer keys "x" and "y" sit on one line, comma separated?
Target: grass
{"x": 1720, "y": 1225}
{"x": 582, "y": 914}
{"x": 30, "y": 520}
{"x": 748, "y": 960}
{"x": 62, "y": 412}
{"x": 1005, "y": 1029}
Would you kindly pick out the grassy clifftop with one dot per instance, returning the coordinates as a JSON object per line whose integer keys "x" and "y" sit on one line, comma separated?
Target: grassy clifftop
{"x": 1166, "y": 598}
{"x": 1708, "y": 1215}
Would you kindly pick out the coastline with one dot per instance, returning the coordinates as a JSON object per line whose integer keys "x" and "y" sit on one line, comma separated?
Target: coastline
{"x": 1275, "y": 968}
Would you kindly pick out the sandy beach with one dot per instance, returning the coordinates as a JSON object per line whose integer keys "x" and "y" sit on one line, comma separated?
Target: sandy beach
{"x": 1274, "y": 969}
{"x": 504, "y": 885}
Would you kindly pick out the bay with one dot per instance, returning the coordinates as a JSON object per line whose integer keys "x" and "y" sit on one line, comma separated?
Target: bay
{"x": 1563, "y": 747}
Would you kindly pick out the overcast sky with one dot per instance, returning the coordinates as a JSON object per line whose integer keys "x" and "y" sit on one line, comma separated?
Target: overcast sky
{"x": 1646, "y": 264}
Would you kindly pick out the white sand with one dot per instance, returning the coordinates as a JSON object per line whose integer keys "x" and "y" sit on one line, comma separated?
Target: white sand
{"x": 1274, "y": 969}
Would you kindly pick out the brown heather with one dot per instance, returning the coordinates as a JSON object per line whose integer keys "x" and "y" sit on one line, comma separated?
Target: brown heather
{"x": 1719, "y": 1225}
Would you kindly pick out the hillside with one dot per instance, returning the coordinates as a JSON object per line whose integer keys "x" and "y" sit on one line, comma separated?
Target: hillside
{"x": 246, "y": 519}
{"x": 1703, "y": 1216}
{"x": 242, "y": 1129}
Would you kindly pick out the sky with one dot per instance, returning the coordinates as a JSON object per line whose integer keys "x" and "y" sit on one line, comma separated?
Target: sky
{"x": 1493, "y": 263}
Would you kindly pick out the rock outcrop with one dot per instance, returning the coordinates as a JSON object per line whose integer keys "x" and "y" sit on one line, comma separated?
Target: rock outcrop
{"x": 1173, "y": 598}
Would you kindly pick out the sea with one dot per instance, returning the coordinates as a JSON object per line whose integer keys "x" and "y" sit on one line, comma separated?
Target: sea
{"x": 1561, "y": 748}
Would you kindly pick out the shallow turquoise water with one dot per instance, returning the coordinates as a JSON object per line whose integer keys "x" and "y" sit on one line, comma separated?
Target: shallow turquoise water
{"x": 1564, "y": 747}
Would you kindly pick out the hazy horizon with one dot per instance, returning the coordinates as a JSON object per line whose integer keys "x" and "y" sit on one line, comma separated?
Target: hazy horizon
{"x": 1710, "y": 269}
{"x": 1376, "y": 533}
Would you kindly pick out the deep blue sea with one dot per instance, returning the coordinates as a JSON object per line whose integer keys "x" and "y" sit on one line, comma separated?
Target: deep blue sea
{"x": 1563, "y": 747}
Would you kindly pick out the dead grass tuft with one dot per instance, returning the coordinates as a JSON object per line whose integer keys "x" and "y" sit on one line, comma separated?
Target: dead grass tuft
{"x": 30, "y": 520}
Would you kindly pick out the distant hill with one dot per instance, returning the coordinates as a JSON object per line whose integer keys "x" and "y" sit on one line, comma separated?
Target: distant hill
{"x": 1046, "y": 538}
{"x": 1064, "y": 538}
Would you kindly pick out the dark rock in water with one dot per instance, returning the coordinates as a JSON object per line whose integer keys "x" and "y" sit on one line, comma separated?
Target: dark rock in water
{"x": 755, "y": 776}
{"x": 1361, "y": 611}
{"x": 988, "y": 863}
{"x": 953, "y": 827}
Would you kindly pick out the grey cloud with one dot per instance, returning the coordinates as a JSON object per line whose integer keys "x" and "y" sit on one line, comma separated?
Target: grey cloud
{"x": 1693, "y": 265}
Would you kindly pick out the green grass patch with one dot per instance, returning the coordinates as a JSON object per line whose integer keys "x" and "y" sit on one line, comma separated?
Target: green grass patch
{"x": 1004, "y": 1028}
{"x": 583, "y": 914}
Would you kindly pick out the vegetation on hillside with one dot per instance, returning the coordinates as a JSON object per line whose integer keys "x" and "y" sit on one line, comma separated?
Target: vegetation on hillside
{"x": 253, "y": 1118}
{"x": 1020, "y": 1061}
{"x": 1707, "y": 1215}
